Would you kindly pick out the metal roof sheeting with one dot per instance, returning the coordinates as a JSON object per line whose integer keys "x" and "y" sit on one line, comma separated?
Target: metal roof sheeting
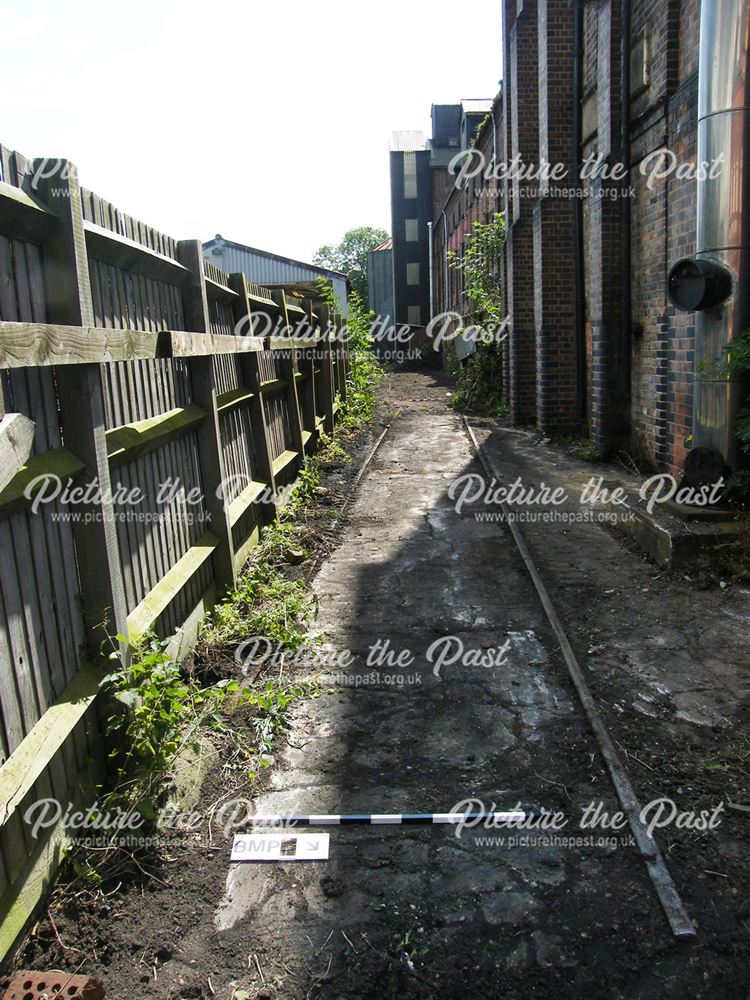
{"x": 265, "y": 268}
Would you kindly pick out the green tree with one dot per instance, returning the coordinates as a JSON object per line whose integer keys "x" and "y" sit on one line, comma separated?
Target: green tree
{"x": 350, "y": 255}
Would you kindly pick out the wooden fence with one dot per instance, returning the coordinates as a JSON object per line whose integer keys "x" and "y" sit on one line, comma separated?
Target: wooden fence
{"x": 133, "y": 360}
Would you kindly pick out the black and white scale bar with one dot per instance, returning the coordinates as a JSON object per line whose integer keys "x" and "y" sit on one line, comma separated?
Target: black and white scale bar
{"x": 393, "y": 819}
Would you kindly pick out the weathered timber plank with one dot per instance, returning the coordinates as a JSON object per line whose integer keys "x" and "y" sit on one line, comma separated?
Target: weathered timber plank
{"x": 130, "y": 441}
{"x": 16, "y": 439}
{"x": 298, "y": 343}
{"x": 22, "y": 216}
{"x": 82, "y": 414}
{"x": 243, "y": 552}
{"x": 262, "y": 451}
{"x": 184, "y": 344}
{"x": 156, "y": 602}
{"x": 327, "y": 371}
{"x": 203, "y": 381}
{"x": 284, "y": 459}
{"x": 112, "y": 248}
{"x": 56, "y": 464}
{"x": 226, "y": 401}
{"x": 287, "y": 367}
{"x": 33, "y": 882}
{"x": 24, "y": 345}
{"x": 218, "y": 291}
{"x": 27, "y": 762}
{"x": 273, "y": 385}
{"x": 248, "y": 496}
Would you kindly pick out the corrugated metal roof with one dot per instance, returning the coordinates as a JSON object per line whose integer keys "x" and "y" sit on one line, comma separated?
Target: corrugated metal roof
{"x": 263, "y": 268}
{"x": 386, "y": 245}
{"x": 218, "y": 243}
{"x": 406, "y": 142}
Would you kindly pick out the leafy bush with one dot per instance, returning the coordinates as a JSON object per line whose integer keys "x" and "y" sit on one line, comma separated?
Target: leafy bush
{"x": 364, "y": 369}
{"x": 735, "y": 360}
{"x": 479, "y": 266}
{"x": 479, "y": 384}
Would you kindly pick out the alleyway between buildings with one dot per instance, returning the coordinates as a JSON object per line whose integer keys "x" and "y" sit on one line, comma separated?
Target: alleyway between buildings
{"x": 401, "y": 911}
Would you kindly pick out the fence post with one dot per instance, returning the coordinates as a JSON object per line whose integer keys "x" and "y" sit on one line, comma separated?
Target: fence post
{"x": 251, "y": 377}
{"x": 287, "y": 369}
{"x": 306, "y": 361}
{"x": 326, "y": 365}
{"x": 195, "y": 308}
{"x": 340, "y": 358}
{"x": 82, "y": 415}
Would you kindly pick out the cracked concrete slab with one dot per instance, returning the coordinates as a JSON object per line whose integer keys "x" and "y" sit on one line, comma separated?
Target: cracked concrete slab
{"x": 412, "y": 571}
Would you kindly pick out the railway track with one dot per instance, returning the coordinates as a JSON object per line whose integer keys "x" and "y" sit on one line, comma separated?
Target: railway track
{"x": 674, "y": 909}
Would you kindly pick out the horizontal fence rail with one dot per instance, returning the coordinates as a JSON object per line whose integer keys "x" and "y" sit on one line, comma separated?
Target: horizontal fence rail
{"x": 146, "y": 434}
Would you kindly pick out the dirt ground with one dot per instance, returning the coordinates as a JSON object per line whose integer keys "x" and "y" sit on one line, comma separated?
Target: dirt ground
{"x": 417, "y": 911}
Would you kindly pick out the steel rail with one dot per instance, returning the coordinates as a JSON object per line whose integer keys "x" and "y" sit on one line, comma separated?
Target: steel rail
{"x": 671, "y": 902}
{"x": 352, "y": 489}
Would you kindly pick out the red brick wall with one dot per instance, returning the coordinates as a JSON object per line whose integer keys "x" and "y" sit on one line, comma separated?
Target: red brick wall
{"x": 642, "y": 398}
{"x": 521, "y": 137}
{"x": 557, "y": 407}
{"x": 663, "y": 230}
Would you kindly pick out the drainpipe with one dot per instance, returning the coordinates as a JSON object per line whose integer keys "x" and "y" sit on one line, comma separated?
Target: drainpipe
{"x": 626, "y": 263}
{"x": 715, "y": 283}
{"x": 445, "y": 260}
{"x": 580, "y": 306}
{"x": 494, "y": 152}
{"x": 429, "y": 250}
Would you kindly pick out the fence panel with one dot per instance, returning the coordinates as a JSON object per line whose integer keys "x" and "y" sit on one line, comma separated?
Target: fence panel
{"x": 139, "y": 367}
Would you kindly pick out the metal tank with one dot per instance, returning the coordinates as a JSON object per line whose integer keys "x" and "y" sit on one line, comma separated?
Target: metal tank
{"x": 716, "y": 283}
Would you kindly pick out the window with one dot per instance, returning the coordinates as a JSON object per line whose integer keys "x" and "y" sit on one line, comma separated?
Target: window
{"x": 412, "y": 274}
{"x": 414, "y": 314}
{"x": 412, "y": 230}
{"x": 410, "y": 175}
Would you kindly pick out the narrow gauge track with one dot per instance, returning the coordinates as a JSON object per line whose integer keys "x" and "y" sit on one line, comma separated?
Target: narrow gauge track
{"x": 680, "y": 923}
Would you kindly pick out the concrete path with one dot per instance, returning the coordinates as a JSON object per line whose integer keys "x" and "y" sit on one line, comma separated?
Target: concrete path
{"x": 418, "y": 911}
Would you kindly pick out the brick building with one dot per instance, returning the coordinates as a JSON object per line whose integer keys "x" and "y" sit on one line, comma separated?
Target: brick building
{"x": 411, "y": 213}
{"x": 420, "y": 184}
{"x": 461, "y": 202}
{"x": 595, "y": 343}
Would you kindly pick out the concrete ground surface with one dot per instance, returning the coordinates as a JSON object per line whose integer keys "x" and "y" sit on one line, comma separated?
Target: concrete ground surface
{"x": 421, "y": 912}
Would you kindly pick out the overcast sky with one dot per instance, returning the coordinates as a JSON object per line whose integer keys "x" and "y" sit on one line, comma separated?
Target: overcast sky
{"x": 267, "y": 122}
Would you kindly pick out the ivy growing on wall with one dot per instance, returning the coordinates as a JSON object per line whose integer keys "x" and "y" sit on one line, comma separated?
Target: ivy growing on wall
{"x": 479, "y": 382}
{"x": 478, "y": 265}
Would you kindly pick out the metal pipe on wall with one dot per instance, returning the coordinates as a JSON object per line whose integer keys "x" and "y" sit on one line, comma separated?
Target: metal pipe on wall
{"x": 723, "y": 235}
{"x": 626, "y": 233}
{"x": 580, "y": 305}
{"x": 429, "y": 251}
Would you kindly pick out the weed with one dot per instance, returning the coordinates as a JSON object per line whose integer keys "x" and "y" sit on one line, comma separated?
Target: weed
{"x": 272, "y": 703}
{"x": 331, "y": 453}
{"x": 365, "y": 370}
{"x": 587, "y": 451}
{"x": 479, "y": 384}
{"x": 735, "y": 361}
{"x": 154, "y": 711}
{"x": 264, "y": 602}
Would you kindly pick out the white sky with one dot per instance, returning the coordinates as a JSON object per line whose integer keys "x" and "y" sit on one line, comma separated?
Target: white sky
{"x": 268, "y": 122}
